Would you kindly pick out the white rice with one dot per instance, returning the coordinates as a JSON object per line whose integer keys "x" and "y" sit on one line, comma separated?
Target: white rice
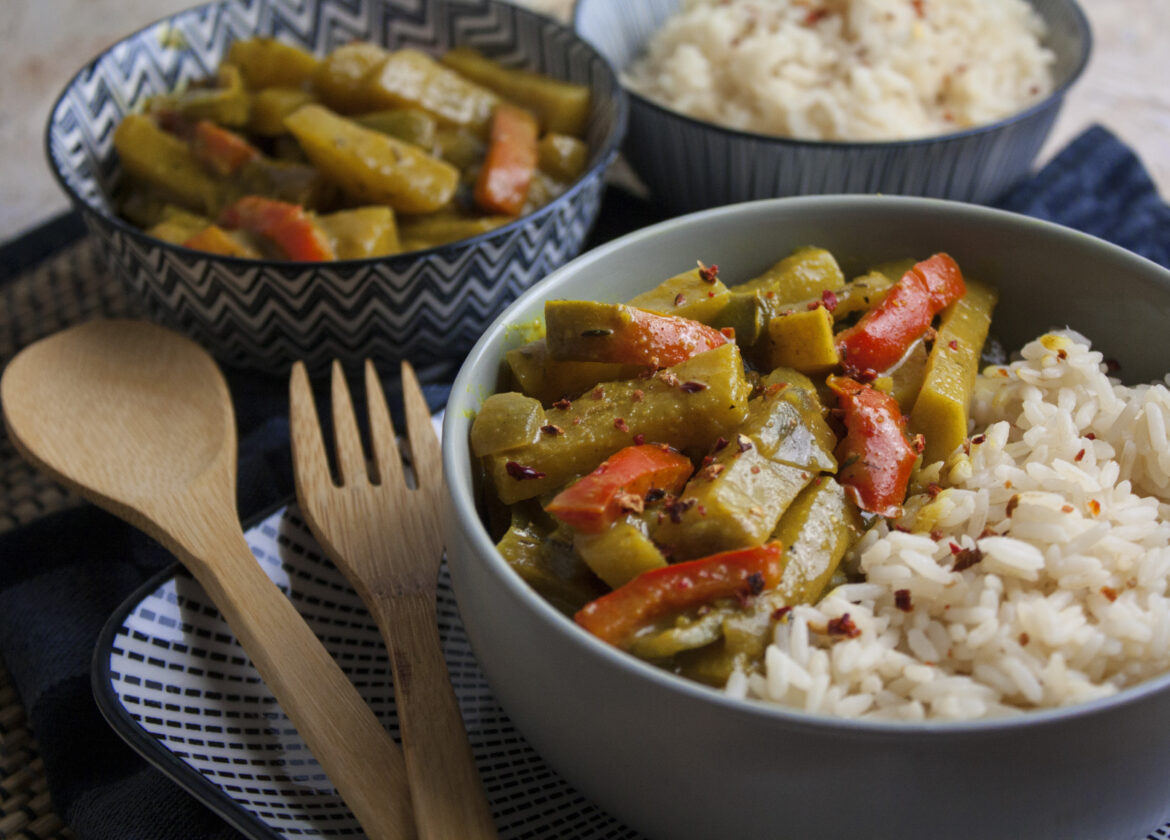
{"x": 1064, "y": 495}
{"x": 847, "y": 69}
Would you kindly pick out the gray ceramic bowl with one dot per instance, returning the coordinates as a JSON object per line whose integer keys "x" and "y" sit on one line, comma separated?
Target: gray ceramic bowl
{"x": 679, "y": 761}
{"x": 689, "y": 164}
{"x": 426, "y": 306}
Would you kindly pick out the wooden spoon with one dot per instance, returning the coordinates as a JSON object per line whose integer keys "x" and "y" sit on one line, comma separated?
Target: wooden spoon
{"x": 139, "y": 420}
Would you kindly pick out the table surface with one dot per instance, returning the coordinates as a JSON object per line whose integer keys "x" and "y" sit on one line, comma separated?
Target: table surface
{"x": 42, "y": 44}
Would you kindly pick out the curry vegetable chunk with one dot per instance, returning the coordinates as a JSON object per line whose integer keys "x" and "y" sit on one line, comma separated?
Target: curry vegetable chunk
{"x": 706, "y": 481}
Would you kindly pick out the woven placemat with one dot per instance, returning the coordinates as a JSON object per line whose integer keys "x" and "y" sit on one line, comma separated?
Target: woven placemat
{"x": 68, "y": 287}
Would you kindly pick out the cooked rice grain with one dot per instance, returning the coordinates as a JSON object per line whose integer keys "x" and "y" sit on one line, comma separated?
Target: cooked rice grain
{"x": 1063, "y": 499}
{"x": 847, "y": 69}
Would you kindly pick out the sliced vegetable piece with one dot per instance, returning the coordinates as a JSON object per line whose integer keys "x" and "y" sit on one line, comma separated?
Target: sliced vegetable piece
{"x": 697, "y": 294}
{"x": 616, "y": 617}
{"x": 941, "y": 409}
{"x": 619, "y": 553}
{"x": 549, "y": 380}
{"x": 549, "y": 566}
{"x": 433, "y": 229}
{"x": 561, "y": 156}
{"x": 286, "y": 225}
{"x": 875, "y": 457}
{"x": 340, "y": 80}
{"x": 619, "y": 485}
{"x": 164, "y": 163}
{"x": 803, "y": 341}
{"x": 222, "y": 151}
{"x": 809, "y": 442}
{"x": 215, "y": 240}
{"x": 504, "y": 178}
{"x": 885, "y": 333}
{"x": 506, "y": 421}
{"x": 361, "y": 233}
{"x": 409, "y": 78}
{"x": 266, "y": 62}
{"x": 613, "y": 332}
{"x": 562, "y": 106}
{"x": 177, "y": 225}
{"x": 227, "y": 103}
{"x": 372, "y": 167}
{"x": 408, "y": 124}
{"x": 818, "y": 528}
{"x": 685, "y": 406}
{"x": 270, "y": 107}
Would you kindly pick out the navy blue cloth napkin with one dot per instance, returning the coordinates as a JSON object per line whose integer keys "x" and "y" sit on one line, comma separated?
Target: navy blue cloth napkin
{"x": 61, "y": 577}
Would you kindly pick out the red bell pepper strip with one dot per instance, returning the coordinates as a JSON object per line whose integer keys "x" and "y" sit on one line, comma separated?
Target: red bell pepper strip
{"x": 287, "y": 225}
{"x": 502, "y": 185}
{"x": 595, "y": 501}
{"x": 215, "y": 240}
{"x": 223, "y": 152}
{"x": 875, "y": 456}
{"x": 618, "y": 615}
{"x": 885, "y": 333}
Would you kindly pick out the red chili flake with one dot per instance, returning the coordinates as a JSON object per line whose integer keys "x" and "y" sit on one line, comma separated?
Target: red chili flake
{"x": 902, "y": 600}
{"x": 639, "y": 439}
{"x": 1079, "y": 455}
{"x": 720, "y": 444}
{"x": 937, "y": 535}
{"x": 711, "y": 295}
{"x": 1112, "y": 365}
{"x": 978, "y": 439}
{"x": 563, "y": 405}
{"x": 1067, "y": 508}
{"x": 829, "y": 299}
{"x": 1095, "y": 507}
{"x": 956, "y": 549}
{"x": 987, "y": 532}
{"x": 775, "y": 388}
{"x": 680, "y": 299}
{"x": 655, "y": 494}
{"x": 933, "y": 489}
{"x": 843, "y": 626}
{"x": 708, "y": 273}
{"x": 1024, "y": 639}
{"x": 552, "y": 429}
{"x": 638, "y": 395}
{"x": 675, "y": 508}
{"x": 743, "y": 442}
{"x": 755, "y": 582}
{"x": 967, "y": 558}
{"x": 919, "y": 443}
{"x": 1109, "y": 592}
{"x": 707, "y": 459}
{"x": 1062, "y": 354}
{"x": 1090, "y": 436}
{"x": 598, "y": 393}
{"x": 815, "y": 304}
{"x": 770, "y": 294}
{"x": 630, "y": 502}
{"x": 693, "y": 387}
{"x": 815, "y": 15}
{"x": 919, "y": 7}
{"x": 755, "y": 469}
{"x": 619, "y": 423}
{"x": 954, "y": 345}
{"x": 522, "y": 473}
{"x": 865, "y": 376}
{"x": 1012, "y": 504}
{"x": 1007, "y": 485}
{"x": 779, "y": 613}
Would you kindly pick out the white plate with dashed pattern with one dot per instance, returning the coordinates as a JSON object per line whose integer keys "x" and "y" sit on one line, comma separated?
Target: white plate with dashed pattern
{"x": 173, "y": 681}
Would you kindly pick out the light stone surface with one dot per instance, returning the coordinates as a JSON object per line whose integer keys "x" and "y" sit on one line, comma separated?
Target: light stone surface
{"x": 43, "y": 42}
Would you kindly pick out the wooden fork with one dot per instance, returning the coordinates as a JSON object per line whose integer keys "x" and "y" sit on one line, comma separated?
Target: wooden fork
{"x": 385, "y": 538}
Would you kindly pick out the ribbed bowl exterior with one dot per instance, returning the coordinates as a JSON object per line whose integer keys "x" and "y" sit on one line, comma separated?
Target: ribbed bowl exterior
{"x": 428, "y": 306}
{"x": 689, "y": 164}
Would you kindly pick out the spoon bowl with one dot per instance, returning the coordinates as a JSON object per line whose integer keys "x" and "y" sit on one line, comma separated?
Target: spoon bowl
{"x": 139, "y": 420}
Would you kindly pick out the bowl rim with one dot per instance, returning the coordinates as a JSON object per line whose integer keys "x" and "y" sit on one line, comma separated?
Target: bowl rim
{"x": 604, "y": 157}
{"x": 639, "y": 101}
{"x": 466, "y": 396}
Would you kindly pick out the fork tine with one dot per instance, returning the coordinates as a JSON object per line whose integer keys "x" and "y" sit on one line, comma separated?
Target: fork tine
{"x": 382, "y": 435}
{"x": 308, "y": 447}
{"x": 424, "y": 444}
{"x": 351, "y": 461}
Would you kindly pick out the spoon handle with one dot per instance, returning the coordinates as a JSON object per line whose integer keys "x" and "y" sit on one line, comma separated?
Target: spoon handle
{"x": 358, "y": 755}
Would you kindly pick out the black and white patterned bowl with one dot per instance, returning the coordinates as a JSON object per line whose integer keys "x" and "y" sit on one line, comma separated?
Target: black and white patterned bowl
{"x": 427, "y": 306}
{"x": 690, "y": 164}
